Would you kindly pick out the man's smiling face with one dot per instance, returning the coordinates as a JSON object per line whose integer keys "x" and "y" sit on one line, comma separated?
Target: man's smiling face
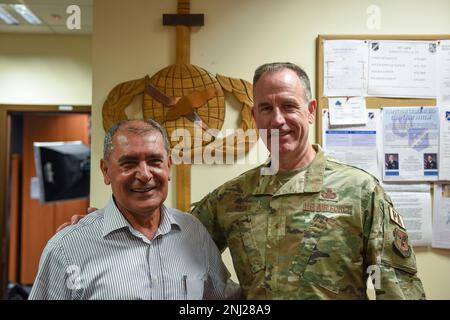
{"x": 138, "y": 169}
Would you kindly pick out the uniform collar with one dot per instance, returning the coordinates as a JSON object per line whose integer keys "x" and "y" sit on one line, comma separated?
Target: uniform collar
{"x": 312, "y": 182}
{"x": 114, "y": 220}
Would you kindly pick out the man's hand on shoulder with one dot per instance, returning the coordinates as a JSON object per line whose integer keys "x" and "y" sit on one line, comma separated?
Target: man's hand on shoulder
{"x": 74, "y": 219}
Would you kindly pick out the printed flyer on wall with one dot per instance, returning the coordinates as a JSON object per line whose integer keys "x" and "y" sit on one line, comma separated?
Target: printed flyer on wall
{"x": 444, "y": 143}
{"x": 413, "y": 202}
{"x": 410, "y": 143}
{"x": 355, "y": 145}
{"x": 441, "y": 217}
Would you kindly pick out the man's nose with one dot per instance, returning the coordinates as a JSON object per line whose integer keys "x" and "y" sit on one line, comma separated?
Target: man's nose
{"x": 278, "y": 119}
{"x": 143, "y": 172}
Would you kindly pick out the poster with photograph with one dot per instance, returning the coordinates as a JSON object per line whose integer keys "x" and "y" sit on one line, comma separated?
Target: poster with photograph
{"x": 410, "y": 143}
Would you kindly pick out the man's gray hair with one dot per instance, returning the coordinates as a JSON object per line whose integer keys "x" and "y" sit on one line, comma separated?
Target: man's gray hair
{"x": 142, "y": 126}
{"x": 277, "y": 66}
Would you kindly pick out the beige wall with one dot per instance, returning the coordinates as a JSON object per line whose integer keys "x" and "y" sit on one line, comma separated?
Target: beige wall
{"x": 45, "y": 69}
{"x": 129, "y": 41}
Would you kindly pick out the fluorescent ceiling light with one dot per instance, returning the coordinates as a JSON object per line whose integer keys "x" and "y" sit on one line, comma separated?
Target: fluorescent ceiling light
{"x": 8, "y": 18}
{"x": 26, "y": 13}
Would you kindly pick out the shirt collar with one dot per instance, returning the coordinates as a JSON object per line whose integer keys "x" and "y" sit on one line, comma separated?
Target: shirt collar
{"x": 114, "y": 220}
{"x": 312, "y": 182}
{"x": 167, "y": 222}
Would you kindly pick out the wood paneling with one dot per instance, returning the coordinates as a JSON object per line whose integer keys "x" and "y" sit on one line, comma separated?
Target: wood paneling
{"x": 13, "y": 259}
{"x": 183, "y": 180}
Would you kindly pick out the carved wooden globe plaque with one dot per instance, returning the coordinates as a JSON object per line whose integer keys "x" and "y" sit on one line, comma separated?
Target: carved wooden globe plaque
{"x": 183, "y": 96}
{"x": 180, "y": 80}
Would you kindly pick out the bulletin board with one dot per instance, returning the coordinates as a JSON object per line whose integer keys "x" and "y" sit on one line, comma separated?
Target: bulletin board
{"x": 371, "y": 102}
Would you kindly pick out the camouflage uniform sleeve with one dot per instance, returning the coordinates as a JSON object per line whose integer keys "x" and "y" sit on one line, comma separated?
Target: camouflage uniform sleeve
{"x": 389, "y": 256}
{"x": 206, "y": 211}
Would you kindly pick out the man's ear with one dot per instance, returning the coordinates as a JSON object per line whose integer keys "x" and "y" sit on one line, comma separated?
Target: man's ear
{"x": 169, "y": 164}
{"x": 312, "y": 105}
{"x": 104, "y": 167}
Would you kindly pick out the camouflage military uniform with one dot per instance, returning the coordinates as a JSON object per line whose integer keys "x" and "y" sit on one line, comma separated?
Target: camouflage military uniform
{"x": 315, "y": 236}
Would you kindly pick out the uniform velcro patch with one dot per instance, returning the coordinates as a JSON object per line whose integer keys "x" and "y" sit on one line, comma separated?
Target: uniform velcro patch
{"x": 401, "y": 242}
{"x": 396, "y": 217}
{"x": 326, "y": 207}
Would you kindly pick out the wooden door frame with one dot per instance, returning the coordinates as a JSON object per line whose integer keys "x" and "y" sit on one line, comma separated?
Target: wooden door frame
{"x": 5, "y": 134}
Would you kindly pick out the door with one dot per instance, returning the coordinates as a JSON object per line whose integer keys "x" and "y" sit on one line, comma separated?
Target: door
{"x": 39, "y": 221}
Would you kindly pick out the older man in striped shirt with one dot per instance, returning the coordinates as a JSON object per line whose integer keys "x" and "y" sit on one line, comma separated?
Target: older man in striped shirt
{"x": 135, "y": 247}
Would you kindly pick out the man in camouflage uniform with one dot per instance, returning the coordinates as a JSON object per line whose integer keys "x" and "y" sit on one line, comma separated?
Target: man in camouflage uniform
{"x": 318, "y": 227}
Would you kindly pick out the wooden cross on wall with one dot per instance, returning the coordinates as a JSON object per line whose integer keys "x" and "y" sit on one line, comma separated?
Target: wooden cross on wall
{"x": 183, "y": 21}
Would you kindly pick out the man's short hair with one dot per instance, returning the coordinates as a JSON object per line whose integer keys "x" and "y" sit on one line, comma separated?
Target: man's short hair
{"x": 143, "y": 126}
{"x": 277, "y": 66}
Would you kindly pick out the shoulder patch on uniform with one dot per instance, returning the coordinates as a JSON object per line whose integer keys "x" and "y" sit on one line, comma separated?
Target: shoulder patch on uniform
{"x": 401, "y": 242}
{"x": 396, "y": 217}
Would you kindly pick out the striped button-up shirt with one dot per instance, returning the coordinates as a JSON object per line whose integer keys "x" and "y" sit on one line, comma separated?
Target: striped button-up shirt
{"x": 104, "y": 257}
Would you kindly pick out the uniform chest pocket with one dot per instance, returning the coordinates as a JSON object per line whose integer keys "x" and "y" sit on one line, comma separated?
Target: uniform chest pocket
{"x": 246, "y": 240}
{"x": 330, "y": 255}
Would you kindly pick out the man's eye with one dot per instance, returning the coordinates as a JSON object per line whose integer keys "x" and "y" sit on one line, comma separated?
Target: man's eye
{"x": 156, "y": 161}
{"x": 291, "y": 106}
{"x": 128, "y": 164}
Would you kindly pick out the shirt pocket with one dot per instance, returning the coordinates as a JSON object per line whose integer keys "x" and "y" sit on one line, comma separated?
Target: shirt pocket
{"x": 194, "y": 288}
{"x": 249, "y": 235}
{"x": 330, "y": 256}
{"x": 185, "y": 288}
{"x": 246, "y": 240}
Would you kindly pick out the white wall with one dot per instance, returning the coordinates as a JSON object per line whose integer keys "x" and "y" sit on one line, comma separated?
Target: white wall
{"x": 129, "y": 41}
{"x": 45, "y": 69}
